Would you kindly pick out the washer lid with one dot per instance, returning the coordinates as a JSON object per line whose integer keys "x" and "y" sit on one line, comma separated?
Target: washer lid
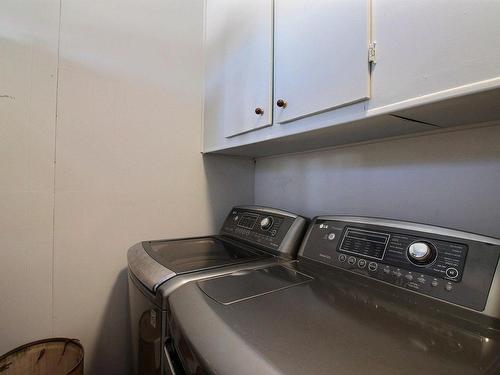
{"x": 243, "y": 285}
{"x": 195, "y": 254}
{"x": 154, "y": 262}
{"x": 149, "y": 272}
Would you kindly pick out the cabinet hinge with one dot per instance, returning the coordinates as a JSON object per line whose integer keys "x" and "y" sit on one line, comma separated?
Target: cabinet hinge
{"x": 372, "y": 53}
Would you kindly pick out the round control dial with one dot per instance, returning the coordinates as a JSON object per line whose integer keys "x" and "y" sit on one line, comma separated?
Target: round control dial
{"x": 421, "y": 253}
{"x": 266, "y": 223}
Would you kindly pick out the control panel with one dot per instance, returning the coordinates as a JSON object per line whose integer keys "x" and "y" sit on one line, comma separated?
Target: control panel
{"x": 273, "y": 229}
{"x": 449, "y": 265}
{"x": 263, "y": 224}
{"x": 441, "y": 259}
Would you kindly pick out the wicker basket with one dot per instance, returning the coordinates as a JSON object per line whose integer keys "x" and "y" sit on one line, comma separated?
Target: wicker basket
{"x": 56, "y": 356}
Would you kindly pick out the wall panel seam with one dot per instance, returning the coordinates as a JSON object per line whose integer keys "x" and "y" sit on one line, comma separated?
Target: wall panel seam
{"x": 52, "y": 318}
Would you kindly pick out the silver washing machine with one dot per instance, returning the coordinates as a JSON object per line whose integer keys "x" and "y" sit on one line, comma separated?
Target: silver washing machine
{"x": 250, "y": 237}
{"x": 365, "y": 296}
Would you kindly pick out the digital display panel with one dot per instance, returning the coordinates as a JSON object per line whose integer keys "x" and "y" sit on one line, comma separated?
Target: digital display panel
{"x": 248, "y": 221}
{"x": 364, "y": 242}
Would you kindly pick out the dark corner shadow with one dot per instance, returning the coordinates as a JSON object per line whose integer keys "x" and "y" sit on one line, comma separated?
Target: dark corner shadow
{"x": 112, "y": 352}
{"x": 230, "y": 182}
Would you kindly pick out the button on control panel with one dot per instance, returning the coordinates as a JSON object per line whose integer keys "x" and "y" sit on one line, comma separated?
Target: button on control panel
{"x": 361, "y": 263}
{"x": 452, "y": 272}
{"x": 435, "y": 263}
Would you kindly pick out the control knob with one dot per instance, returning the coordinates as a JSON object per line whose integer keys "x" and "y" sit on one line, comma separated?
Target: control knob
{"x": 421, "y": 253}
{"x": 266, "y": 223}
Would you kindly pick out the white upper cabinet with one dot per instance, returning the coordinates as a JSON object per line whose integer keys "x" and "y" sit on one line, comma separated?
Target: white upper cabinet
{"x": 238, "y": 66}
{"x": 305, "y": 64}
{"x": 321, "y": 55}
{"x": 433, "y": 49}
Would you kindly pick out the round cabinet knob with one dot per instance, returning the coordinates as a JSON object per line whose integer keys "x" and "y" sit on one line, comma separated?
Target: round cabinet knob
{"x": 266, "y": 223}
{"x": 259, "y": 111}
{"x": 281, "y": 103}
{"x": 421, "y": 253}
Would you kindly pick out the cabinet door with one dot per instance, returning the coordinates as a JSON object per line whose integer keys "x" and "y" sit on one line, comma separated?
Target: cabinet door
{"x": 321, "y": 55}
{"x": 432, "y": 50}
{"x": 238, "y": 65}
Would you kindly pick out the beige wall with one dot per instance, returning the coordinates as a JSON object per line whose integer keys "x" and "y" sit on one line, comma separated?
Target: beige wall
{"x": 128, "y": 167}
{"x": 28, "y": 73}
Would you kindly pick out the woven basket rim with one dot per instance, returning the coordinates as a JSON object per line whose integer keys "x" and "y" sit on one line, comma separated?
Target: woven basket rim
{"x": 65, "y": 340}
